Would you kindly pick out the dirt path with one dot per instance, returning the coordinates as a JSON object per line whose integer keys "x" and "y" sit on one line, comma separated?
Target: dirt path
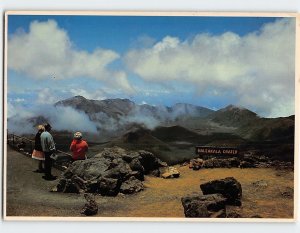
{"x": 28, "y": 194}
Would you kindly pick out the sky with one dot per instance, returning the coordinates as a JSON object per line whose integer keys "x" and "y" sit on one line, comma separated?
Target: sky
{"x": 206, "y": 61}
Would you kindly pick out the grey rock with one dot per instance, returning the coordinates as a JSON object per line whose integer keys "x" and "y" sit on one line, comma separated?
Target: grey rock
{"x": 221, "y": 163}
{"x": 196, "y": 164}
{"x": 91, "y": 207}
{"x": 203, "y": 206}
{"x": 132, "y": 185}
{"x": 149, "y": 161}
{"x": 107, "y": 171}
{"x": 108, "y": 186}
{"x": 229, "y": 187}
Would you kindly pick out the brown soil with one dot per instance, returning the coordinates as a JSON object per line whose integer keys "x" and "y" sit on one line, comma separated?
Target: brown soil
{"x": 29, "y": 195}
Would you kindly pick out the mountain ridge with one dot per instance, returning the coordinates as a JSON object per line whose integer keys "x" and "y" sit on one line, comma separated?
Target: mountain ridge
{"x": 172, "y": 132}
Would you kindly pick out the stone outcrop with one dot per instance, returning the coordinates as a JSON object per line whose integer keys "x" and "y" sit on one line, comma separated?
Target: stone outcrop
{"x": 221, "y": 163}
{"x": 212, "y": 203}
{"x": 229, "y": 187}
{"x": 245, "y": 161}
{"x": 204, "y": 206}
{"x": 90, "y": 208}
{"x": 109, "y": 172}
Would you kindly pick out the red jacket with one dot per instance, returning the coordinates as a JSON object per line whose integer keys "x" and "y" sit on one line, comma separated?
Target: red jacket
{"x": 79, "y": 148}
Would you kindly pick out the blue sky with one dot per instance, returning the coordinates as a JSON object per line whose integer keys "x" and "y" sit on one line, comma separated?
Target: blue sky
{"x": 207, "y": 61}
{"x": 89, "y": 32}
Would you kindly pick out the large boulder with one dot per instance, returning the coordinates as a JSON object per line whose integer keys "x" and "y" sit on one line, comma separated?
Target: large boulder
{"x": 204, "y": 206}
{"x": 229, "y": 187}
{"x": 108, "y": 172}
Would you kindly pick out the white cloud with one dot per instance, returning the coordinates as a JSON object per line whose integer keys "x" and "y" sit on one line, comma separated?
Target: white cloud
{"x": 46, "y": 96}
{"x": 47, "y": 51}
{"x": 67, "y": 118}
{"x": 257, "y": 69}
{"x": 61, "y": 118}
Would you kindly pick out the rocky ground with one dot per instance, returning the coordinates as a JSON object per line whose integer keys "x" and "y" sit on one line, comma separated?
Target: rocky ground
{"x": 267, "y": 193}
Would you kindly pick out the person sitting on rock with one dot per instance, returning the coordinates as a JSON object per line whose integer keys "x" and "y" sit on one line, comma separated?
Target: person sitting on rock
{"x": 79, "y": 147}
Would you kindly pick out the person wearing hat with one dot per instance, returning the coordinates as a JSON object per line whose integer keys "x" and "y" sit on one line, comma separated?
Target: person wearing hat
{"x": 48, "y": 147}
{"x": 38, "y": 153}
{"x": 79, "y": 147}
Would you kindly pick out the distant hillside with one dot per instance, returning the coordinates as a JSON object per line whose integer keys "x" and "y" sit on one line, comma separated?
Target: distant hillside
{"x": 233, "y": 116}
{"x": 114, "y": 116}
{"x": 171, "y": 144}
{"x": 180, "y": 135}
{"x": 111, "y": 107}
{"x": 175, "y": 133}
{"x": 279, "y": 129}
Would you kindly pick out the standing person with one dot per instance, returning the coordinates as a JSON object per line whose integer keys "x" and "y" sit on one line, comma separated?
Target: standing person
{"x": 48, "y": 146}
{"x": 38, "y": 153}
{"x": 79, "y": 147}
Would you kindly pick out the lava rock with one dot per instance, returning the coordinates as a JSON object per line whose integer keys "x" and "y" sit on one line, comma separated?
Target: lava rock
{"x": 149, "y": 161}
{"x": 221, "y": 163}
{"x": 246, "y": 164}
{"x": 234, "y": 162}
{"x": 229, "y": 187}
{"x": 91, "y": 207}
{"x": 108, "y": 186}
{"x": 107, "y": 171}
{"x": 204, "y": 206}
{"x": 136, "y": 165}
{"x": 156, "y": 173}
{"x": 132, "y": 185}
{"x": 196, "y": 164}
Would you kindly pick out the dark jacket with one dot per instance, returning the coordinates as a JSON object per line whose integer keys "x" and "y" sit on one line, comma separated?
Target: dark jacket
{"x": 37, "y": 142}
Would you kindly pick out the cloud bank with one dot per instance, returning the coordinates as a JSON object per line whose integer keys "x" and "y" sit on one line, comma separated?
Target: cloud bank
{"x": 256, "y": 69}
{"x": 46, "y": 51}
{"x": 21, "y": 119}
